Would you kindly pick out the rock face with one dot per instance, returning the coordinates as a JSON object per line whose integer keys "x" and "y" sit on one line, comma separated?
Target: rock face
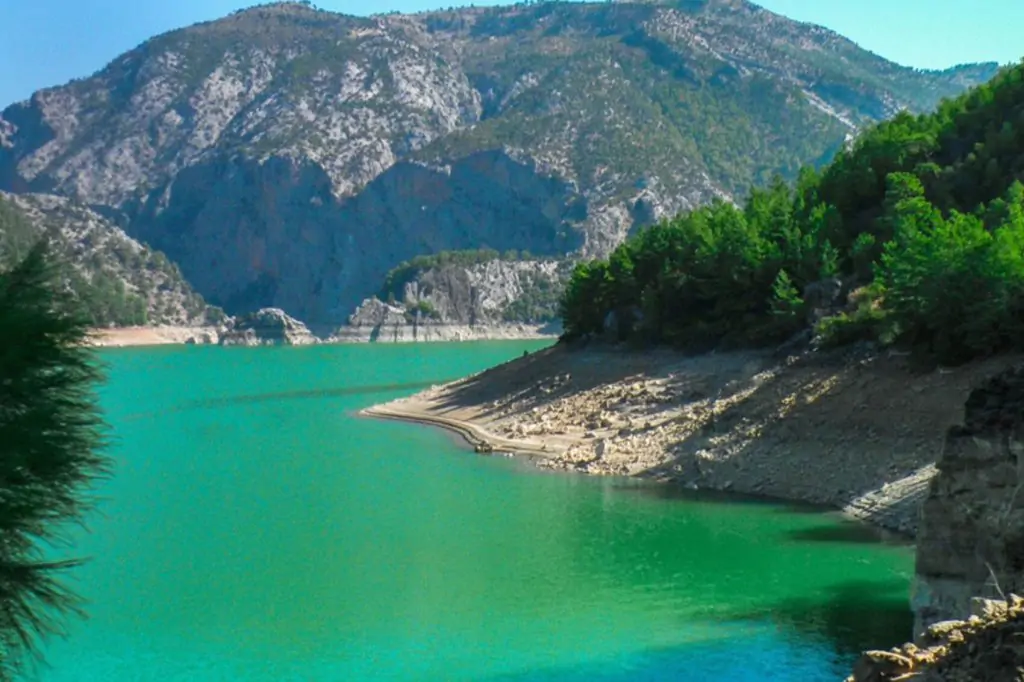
{"x": 122, "y": 281}
{"x": 971, "y": 540}
{"x": 267, "y": 327}
{"x": 286, "y": 156}
{"x": 493, "y": 299}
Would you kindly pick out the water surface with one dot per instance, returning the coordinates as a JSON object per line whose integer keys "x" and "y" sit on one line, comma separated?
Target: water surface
{"x": 257, "y": 530}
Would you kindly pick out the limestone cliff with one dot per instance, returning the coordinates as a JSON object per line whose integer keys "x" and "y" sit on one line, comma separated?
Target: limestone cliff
{"x": 971, "y": 538}
{"x": 289, "y": 157}
{"x": 462, "y": 301}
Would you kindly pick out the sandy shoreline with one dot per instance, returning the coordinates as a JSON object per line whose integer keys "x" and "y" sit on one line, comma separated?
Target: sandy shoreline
{"x": 860, "y": 434}
{"x": 149, "y": 336}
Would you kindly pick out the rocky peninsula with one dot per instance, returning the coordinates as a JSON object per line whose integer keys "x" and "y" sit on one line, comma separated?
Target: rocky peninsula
{"x": 854, "y": 430}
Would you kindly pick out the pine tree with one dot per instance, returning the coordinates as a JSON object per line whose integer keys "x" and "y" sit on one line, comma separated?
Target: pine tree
{"x": 51, "y": 435}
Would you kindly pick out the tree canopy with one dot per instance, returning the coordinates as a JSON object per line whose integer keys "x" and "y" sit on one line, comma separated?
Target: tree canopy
{"x": 921, "y": 218}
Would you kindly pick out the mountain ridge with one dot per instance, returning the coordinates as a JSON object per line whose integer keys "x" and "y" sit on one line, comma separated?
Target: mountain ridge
{"x": 287, "y": 156}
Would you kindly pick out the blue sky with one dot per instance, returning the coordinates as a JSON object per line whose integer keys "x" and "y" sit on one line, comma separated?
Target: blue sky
{"x": 48, "y": 42}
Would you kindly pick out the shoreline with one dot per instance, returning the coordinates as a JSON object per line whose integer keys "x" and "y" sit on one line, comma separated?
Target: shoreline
{"x": 475, "y": 436}
{"x": 815, "y": 429}
{"x": 164, "y": 335}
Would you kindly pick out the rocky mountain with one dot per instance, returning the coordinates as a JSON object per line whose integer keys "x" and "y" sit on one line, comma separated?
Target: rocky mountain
{"x": 289, "y": 157}
{"x": 121, "y": 281}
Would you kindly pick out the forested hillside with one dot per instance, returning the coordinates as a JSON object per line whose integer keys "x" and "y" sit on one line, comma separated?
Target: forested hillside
{"x": 919, "y": 225}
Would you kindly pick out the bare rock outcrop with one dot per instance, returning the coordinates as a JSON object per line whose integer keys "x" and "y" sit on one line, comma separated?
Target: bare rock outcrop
{"x": 267, "y": 327}
{"x": 496, "y": 298}
{"x": 971, "y": 539}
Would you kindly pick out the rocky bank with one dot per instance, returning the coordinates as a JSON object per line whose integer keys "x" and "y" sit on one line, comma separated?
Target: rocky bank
{"x": 854, "y": 430}
{"x": 986, "y": 647}
{"x": 492, "y": 299}
{"x": 264, "y": 327}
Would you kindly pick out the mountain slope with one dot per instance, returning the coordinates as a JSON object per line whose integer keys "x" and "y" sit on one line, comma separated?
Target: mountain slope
{"x": 120, "y": 281}
{"x": 288, "y": 156}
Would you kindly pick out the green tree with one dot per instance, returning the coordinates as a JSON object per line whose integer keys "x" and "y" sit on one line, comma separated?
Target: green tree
{"x": 786, "y": 302}
{"x": 51, "y": 435}
{"x": 922, "y": 215}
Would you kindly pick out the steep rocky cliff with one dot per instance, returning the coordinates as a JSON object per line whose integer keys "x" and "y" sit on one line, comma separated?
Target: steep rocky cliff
{"x": 285, "y": 156}
{"x": 494, "y": 298}
{"x": 121, "y": 281}
{"x": 971, "y": 538}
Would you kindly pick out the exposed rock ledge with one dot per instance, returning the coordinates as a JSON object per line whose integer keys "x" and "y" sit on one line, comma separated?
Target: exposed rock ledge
{"x": 853, "y": 431}
{"x": 427, "y": 333}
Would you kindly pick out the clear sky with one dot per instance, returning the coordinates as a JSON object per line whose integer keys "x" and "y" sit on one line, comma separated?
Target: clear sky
{"x": 48, "y": 42}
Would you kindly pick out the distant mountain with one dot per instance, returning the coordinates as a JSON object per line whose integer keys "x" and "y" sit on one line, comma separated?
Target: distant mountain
{"x": 285, "y": 156}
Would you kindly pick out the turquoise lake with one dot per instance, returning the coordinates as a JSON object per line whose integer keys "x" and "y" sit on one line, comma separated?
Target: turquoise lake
{"x": 256, "y": 530}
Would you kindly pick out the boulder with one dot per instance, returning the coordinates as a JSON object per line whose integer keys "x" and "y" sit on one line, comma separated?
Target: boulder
{"x": 373, "y": 312}
{"x": 267, "y": 327}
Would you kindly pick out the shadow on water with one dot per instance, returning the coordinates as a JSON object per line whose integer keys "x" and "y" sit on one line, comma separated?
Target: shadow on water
{"x": 847, "y": 532}
{"x": 278, "y": 396}
{"x": 840, "y": 529}
{"x": 667, "y": 490}
{"x": 854, "y": 617}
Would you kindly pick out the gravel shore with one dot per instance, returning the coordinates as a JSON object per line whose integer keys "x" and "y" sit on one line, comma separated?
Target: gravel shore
{"x": 857, "y": 432}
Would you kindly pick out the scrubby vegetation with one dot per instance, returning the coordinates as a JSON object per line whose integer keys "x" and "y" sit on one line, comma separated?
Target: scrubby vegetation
{"x": 642, "y": 99}
{"x": 922, "y": 220}
{"x": 420, "y": 309}
{"x": 407, "y": 271}
{"x": 538, "y": 304}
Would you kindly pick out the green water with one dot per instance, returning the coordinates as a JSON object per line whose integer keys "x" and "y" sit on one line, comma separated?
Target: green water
{"x": 257, "y": 530}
